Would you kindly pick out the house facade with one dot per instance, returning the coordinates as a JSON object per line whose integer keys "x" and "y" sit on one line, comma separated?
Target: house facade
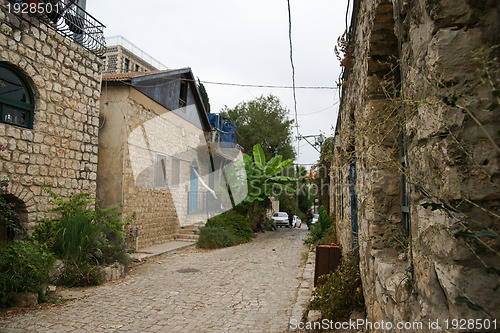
{"x": 154, "y": 160}
{"x": 414, "y": 184}
{"x": 122, "y": 56}
{"x": 49, "y": 106}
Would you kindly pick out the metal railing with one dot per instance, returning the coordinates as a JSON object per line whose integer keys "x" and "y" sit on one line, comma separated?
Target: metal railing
{"x": 67, "y": 18}
{"x": 122, "y": 41}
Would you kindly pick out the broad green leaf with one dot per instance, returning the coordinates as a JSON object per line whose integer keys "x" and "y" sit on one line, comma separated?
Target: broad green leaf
{"x": 283, "y": 179}
{"x": 285, "y": 164}
{"x": 258, "y": 155}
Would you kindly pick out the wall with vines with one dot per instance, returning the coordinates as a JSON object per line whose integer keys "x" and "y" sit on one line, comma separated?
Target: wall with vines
{"x": 420, "y": 118}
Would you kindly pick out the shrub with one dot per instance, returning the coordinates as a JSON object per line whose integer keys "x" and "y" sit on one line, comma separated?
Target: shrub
{"x": 234, "y": 223}
{"x": 81, "y": 274}
{"x": 340, "y": 292}
{"x": 215, "y": 237}
{"x": 24, "y": 267}
{"x": 9, "y": 215}
{"x": 269, "y": 224}
{"x": 84, "y": 236}
{"x": 319, "y": 228}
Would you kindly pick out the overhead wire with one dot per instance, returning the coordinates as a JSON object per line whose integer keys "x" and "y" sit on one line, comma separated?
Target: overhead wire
{"x": 293, "y": 67}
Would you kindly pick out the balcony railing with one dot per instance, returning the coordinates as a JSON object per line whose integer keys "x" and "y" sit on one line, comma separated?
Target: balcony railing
{"x": 65, "y": 17}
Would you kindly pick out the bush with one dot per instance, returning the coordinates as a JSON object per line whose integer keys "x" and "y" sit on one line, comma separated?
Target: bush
{"x": 85, "y": 237}
{"x": 269, "y": 224}
{"x": 24, "y": 267}
{"x": 234, "y": 223}
{"x": 340, "y": 292}
{"x": 319, "y": 228}
{"x": 81, "y": 274}
{"x": 216, "y": 237}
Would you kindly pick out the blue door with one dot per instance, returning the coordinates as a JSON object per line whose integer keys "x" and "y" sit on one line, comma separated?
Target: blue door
{"x": 193, "y": 188}
{"x": 354, "y": 206}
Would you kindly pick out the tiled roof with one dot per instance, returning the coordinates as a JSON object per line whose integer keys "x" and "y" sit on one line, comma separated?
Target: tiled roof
{"x": 127, "y": 76}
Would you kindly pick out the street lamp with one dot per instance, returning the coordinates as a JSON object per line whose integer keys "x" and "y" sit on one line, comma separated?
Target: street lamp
{"x": 318, "y": 139}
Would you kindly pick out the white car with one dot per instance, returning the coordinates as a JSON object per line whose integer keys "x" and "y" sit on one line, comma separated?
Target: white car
{"x": 280, "y": 218}
{"x": 315, "y": 218}
{"x": 297, "y": 222}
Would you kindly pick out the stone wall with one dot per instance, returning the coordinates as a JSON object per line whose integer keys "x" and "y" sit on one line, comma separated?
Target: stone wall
{"x": 427, "y": 141}
{"x": 60, "y": 151}
{"x": 114, "y": 60}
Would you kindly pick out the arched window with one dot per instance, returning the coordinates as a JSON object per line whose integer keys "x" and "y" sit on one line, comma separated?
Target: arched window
{"x": 17, "y": 101}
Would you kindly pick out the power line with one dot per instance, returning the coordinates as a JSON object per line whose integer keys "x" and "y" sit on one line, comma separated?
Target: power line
{"x": 293, "y": 67}
{"x": 268, "y": 86}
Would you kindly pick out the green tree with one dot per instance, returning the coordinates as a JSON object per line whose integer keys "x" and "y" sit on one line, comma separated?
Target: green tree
{"x": 263, "y": 121}
{"x": 204, "y": 96}
{"x": 263, "y": 179}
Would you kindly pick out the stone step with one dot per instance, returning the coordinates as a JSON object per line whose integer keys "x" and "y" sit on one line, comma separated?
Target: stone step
{"x": 186, "y": 237}
{"x": 189, "y": 231}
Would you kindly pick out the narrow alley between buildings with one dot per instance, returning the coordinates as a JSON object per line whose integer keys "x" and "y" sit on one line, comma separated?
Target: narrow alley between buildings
{"x": 246, "y": 288}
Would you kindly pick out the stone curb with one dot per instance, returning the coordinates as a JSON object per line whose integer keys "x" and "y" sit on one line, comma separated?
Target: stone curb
{"x": 305, "y": 288}
{"x": 162, "y": 250}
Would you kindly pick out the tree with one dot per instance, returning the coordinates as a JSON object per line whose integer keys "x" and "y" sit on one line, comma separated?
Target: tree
{"x": 263, "y": 179}
{"x": 263, "y": 121}
{"x": 204, "y": 96}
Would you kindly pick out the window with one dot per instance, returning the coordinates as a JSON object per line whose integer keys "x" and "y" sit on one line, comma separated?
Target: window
{"x": 136, "y": 68}
{"x": 17, "y": 103}
{"x": 161, "y": 171}
{"x": 127, "y": 65}
{"x": 183, "y": 94}
{"x": 176, "y": 173}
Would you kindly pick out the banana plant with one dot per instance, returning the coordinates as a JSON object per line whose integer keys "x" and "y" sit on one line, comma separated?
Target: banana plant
{"x": 265, "y": 179}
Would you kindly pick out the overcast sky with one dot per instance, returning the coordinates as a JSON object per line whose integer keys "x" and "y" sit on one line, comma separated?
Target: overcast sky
{"x": 244, "y": 42}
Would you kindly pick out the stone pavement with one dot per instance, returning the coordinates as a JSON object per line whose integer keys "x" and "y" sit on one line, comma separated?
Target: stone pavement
{"x": 247, "y": 288}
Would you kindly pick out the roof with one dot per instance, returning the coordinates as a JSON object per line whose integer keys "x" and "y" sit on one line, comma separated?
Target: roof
{"x": 127, "y": 76}
{"x": 152, "y": 84}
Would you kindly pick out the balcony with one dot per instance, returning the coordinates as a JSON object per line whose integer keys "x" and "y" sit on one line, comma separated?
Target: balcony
{"x": 65, "y": 17}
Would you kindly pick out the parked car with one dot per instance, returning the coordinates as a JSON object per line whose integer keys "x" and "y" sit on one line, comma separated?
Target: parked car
{"x": 297, "y": 222}
{"x": 315, "y": 218}
{"x": 280, "y": 218}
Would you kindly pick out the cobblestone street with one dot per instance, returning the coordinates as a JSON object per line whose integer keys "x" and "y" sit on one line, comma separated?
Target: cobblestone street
{"x": 246, "y": 288}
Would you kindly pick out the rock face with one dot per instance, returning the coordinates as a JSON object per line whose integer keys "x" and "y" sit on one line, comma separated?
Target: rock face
{"x": 60, "y": 151}
{"x": 417, "y": 156}
{"x": 114, "y": 272}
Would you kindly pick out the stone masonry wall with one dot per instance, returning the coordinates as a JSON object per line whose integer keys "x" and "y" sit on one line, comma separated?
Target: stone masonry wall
{"x": 450, "y": 163}
{"x": 60, "y": 152}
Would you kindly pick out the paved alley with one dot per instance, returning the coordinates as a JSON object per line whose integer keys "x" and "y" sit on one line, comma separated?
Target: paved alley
{"x": 246, "y": 288}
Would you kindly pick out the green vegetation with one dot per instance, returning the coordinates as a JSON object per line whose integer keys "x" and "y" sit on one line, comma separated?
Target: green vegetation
{"x": 340, "y": 292}
{"x": 84, "y": 236}
{"x": 24, "y": 267}
{"x": 226, "y": 229}
{"x": 266, "y": 114}
{"x": 324, "y": 231}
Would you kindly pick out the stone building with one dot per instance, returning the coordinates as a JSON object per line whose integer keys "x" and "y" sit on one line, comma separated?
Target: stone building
{"x": 122, "y": 56}
{"x": 49, "y": 104}
{"x": 414, "y": 181}
{"x": 154, "y": 160}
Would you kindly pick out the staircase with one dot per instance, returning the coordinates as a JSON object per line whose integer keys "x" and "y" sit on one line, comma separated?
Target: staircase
{"x": 188, "y": 233}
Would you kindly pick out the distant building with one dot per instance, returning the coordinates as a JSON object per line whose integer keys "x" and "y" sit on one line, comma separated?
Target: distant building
{"x": 122, "y": 56}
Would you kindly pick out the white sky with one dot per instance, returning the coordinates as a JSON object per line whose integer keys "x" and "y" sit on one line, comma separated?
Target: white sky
{"x": 242, "y": 42}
